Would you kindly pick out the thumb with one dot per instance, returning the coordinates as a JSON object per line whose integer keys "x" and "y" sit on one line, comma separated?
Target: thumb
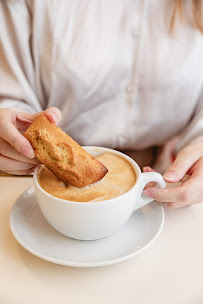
{"x": 53, "y": 114}
{"x": 183, "y": 162}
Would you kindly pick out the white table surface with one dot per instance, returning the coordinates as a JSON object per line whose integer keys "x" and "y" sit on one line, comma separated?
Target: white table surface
{"x": 169, "y": 271}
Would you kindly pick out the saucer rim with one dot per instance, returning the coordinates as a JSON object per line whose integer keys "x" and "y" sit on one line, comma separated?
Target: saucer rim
{"x": 82, "y": 264}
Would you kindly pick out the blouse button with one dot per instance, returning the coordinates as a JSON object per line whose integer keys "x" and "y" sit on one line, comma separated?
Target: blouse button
{"x": 130, "y": 89}
{"x": 135, "y": 33}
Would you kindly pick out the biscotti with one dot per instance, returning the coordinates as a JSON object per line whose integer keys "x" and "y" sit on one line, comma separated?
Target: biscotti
{"x": 62, "y": 155}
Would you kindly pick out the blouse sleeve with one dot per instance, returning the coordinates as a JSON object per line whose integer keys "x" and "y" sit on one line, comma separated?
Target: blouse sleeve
{"x": 194, "y": 130}
{"x": 17, "y": 77}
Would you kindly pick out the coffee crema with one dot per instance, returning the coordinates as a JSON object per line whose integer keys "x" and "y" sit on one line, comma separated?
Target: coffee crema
{"x": 120, "y": 178}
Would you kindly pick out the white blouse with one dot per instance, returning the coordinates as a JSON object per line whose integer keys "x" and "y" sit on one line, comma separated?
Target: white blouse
{"x": 111, "y": 66}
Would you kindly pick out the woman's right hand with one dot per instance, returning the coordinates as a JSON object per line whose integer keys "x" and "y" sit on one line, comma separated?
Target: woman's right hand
{"x": 16, "y": 153}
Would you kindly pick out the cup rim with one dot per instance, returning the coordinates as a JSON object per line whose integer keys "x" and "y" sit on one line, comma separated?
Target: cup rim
{"x": 132, "y": 162}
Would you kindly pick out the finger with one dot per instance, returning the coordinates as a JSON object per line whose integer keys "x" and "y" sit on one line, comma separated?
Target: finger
{"x": 21, "y": 172}
{"x": 197, "y": 168}
{"x": 164, "y": 195}
{"x": 7, "y": 150}
{"x": 151, "y": 184}
{"x": 185, "y": 159}
{"x": 148, "y": 169}
{"x": 11, "y": 164}
{"x": 188, "y": 193}
{"x": 52, "y": 113}
{"x": 13, "y": 136}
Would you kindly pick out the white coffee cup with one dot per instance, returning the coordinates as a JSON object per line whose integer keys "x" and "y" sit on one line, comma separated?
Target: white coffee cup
{"x": 95, "y": 220}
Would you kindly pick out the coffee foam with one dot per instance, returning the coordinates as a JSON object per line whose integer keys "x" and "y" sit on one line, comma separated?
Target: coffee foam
{"x": 120, "y": 178}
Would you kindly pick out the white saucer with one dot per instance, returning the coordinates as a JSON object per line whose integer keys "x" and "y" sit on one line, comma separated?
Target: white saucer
{"x": 33, "y": 232}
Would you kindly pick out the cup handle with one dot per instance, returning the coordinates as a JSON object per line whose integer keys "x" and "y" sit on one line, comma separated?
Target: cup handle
{"x": 146, "y": 178}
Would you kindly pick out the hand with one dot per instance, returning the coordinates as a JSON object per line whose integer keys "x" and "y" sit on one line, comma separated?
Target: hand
{"x": 188, "y": 168}
{"x": 16, "y": 153}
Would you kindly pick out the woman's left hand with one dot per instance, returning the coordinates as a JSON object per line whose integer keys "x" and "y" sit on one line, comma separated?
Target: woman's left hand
{"x": 187, "y": 168}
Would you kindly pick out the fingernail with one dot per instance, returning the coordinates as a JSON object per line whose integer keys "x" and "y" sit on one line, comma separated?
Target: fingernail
{"x": 147, "y": 193}
{"x": 28, "y": 152}
{"x": 170, "y": 175}
{"x": 55, "y": 117}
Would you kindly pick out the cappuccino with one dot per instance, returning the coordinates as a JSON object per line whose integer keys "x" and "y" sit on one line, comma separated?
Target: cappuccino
{"x": 120, "y": 178}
